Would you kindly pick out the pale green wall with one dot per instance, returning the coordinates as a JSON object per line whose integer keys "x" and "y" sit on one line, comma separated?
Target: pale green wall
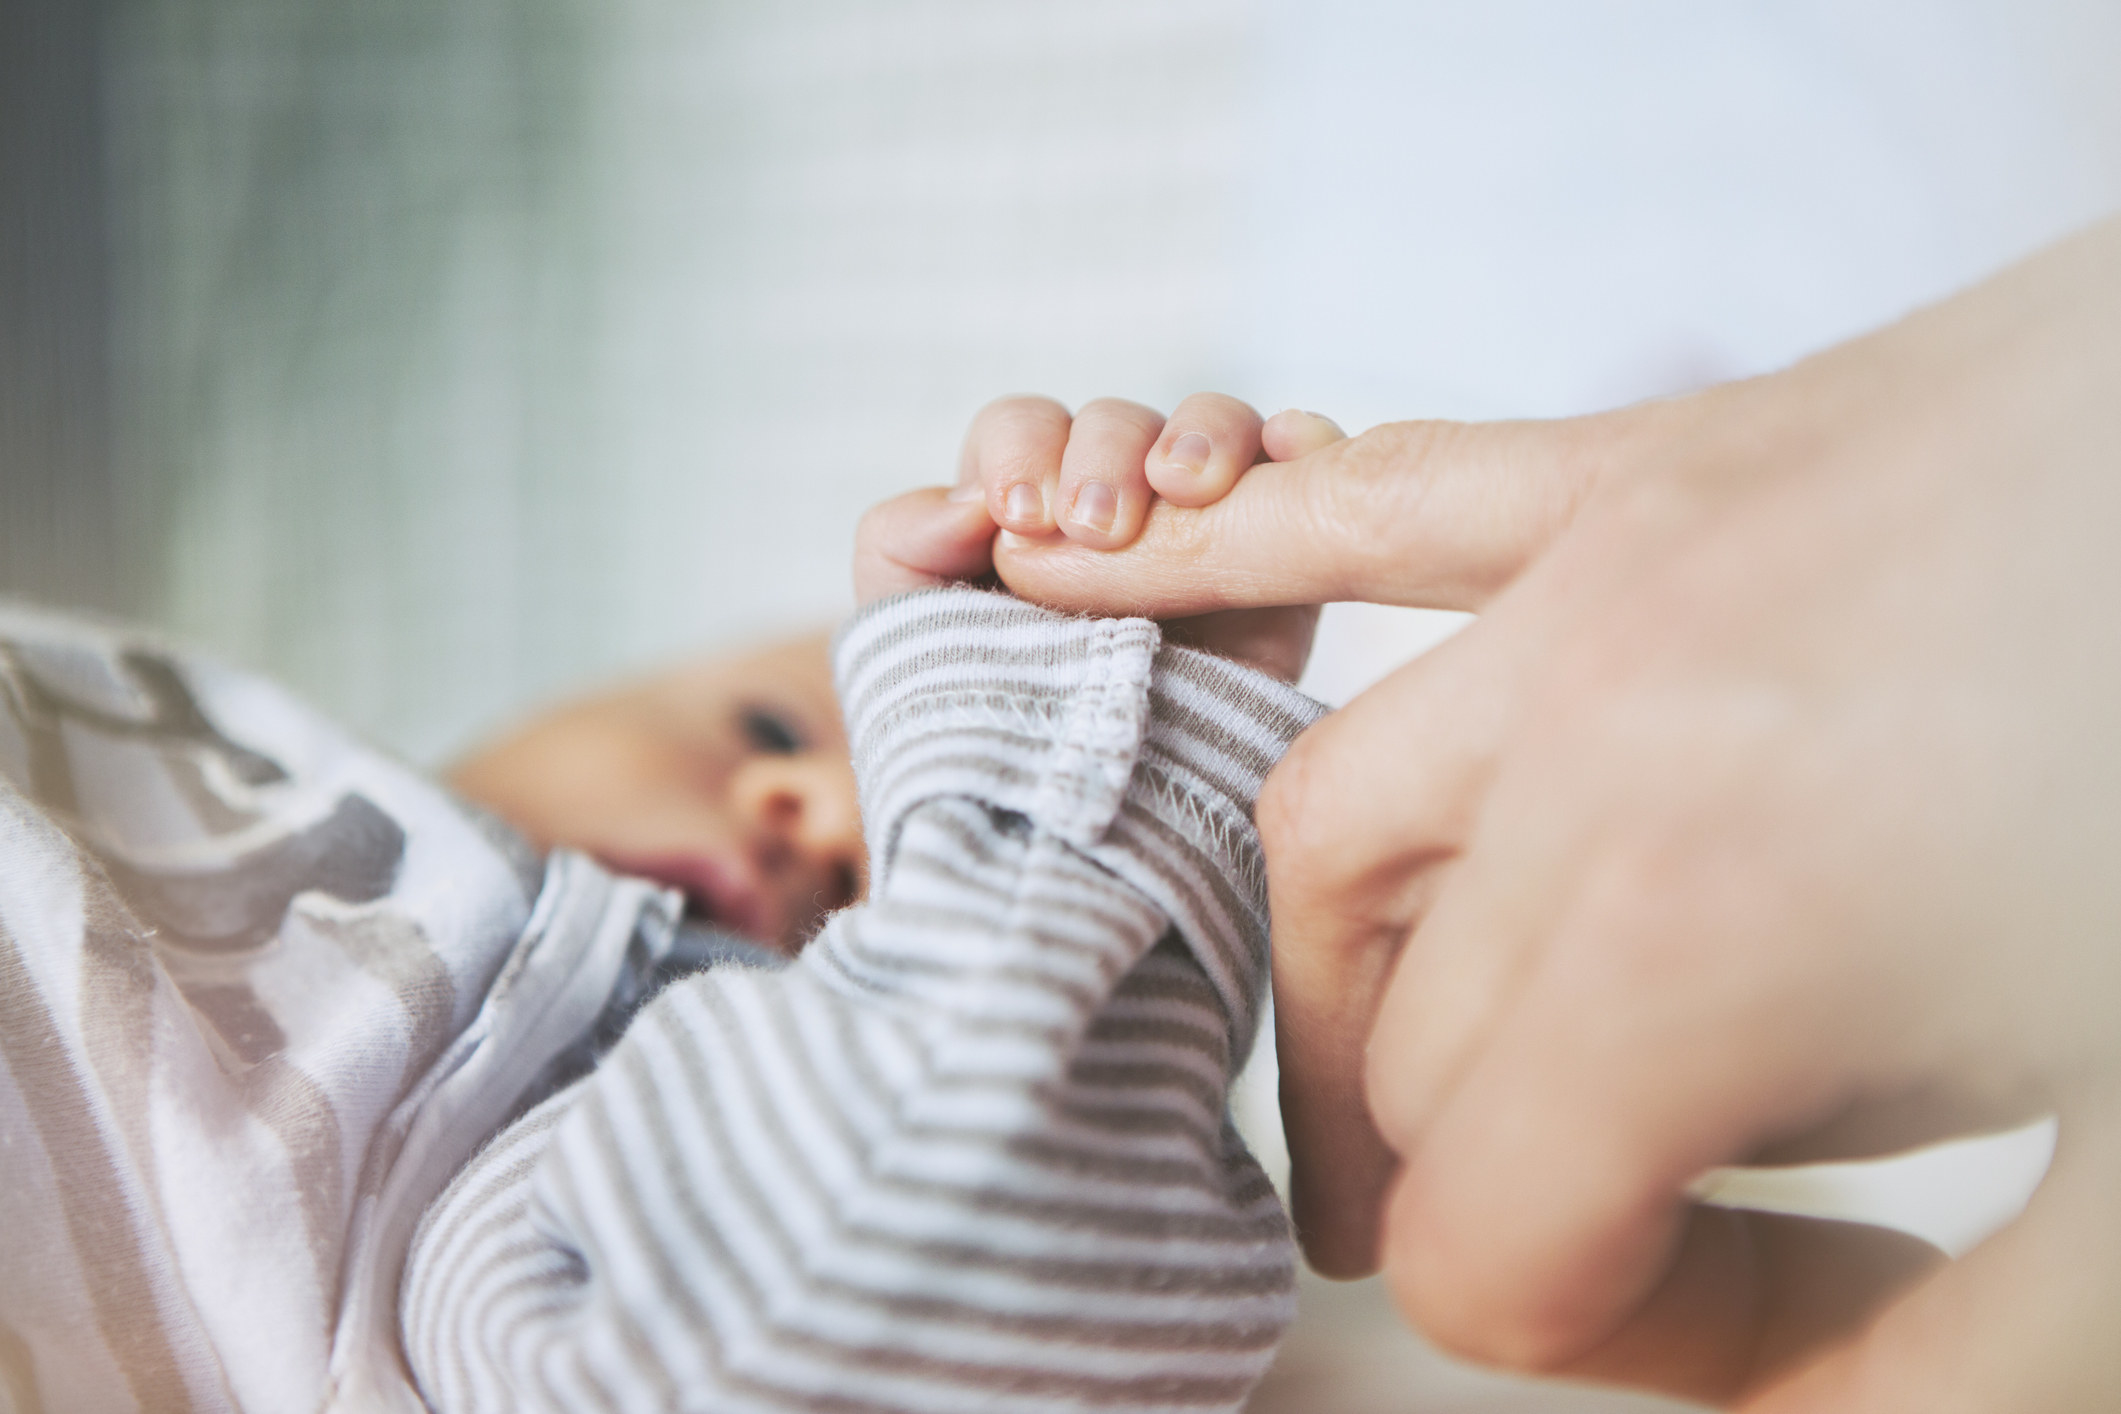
{"x": 478, "y": 350}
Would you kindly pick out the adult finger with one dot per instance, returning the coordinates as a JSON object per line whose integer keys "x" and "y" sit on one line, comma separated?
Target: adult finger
{"x": 1752, "y": 1297}
{"x": 1275, "y": 640}
{"x": 2025, "y": 1322}
{"x": 1543, "y": 1198}
{"x": 1103, "y": 490}
{"x": 1013, "y": 451}
{"x": 1875, "y": 1128}
{"x": 1208, "y": 443}
{"x": 1441, "y": 515}
{"x": 922, "y": 539}
{"x": 1360, "y": 821}
{"x": 1748, "y": 1299}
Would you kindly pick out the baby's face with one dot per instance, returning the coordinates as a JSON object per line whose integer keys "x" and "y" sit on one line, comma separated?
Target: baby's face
{"x": 727, "y": 778}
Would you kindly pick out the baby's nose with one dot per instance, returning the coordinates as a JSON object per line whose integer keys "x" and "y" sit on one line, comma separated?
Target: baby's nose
{"x": 806, "y": 805}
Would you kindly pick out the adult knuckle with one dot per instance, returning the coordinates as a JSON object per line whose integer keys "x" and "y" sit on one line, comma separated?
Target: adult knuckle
{"x": 1499, "y": 490}
{"x": 1637, "y": 928}
{"x": 1330, "y": 839}
{"x": 1401, "y": 464}
{"x": 1365, "y": 483}
{"x": 1358, "y": 468}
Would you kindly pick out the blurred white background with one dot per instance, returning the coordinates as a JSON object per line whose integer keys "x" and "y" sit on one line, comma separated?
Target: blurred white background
{"x": 467, "y": 354}
{"x": 472, "y": 352}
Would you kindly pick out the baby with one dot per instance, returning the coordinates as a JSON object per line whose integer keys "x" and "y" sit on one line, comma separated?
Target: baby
{"x": 729, "y": 779}
{"x": 311, "y": 1096}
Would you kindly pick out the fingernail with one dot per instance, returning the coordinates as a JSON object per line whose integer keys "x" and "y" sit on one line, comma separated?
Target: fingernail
{"x": 1191, "y": 452}
{"x": 967, "y": 491}
{"x": 1024, "y": 503}
{"x": 1096, "y": 507}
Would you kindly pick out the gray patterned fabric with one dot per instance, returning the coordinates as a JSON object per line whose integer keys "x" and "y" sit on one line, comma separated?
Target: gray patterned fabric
{"x": 264, "y": 995}
{"x": 262, "y": 991}
{"x": 970, "y": 1151}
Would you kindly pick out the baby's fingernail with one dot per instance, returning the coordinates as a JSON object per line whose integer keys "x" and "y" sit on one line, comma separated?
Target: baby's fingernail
{"x": 967, "y": 491}
{"x": 1095, "y": 508}
{"x": 1191, "y": 452}
{"x": 1024, "y": 503}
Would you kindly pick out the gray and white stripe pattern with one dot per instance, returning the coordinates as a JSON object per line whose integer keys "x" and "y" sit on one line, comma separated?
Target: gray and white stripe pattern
{"x": 262, "y": 991}
{"x": 970, "y": 1151}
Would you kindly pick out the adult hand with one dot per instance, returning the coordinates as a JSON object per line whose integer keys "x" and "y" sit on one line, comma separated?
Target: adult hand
{"x": 1770, "y": 810}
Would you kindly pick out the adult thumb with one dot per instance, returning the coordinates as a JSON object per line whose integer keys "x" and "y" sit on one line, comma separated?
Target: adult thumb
{"x": 1431, "y": 514}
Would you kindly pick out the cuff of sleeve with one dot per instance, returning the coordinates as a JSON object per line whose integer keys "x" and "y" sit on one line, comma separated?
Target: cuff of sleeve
{"x": 1068, "y": 721}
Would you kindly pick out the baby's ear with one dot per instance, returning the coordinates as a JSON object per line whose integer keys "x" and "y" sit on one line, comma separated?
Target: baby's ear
{"x": 923, "y": 539}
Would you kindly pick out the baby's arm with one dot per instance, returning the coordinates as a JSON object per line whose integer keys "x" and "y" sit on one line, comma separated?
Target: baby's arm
{"x": 969, "y": 1151}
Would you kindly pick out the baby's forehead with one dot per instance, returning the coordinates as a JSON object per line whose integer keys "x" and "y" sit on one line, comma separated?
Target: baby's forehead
{"x": 797, "y": 658}
{"x": 795, "y": 670}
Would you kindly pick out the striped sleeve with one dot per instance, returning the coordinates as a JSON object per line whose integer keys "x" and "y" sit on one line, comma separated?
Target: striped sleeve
{"x": 971, "y": 1150}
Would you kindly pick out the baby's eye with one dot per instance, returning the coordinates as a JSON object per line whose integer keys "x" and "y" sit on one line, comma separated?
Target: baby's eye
{"x": 767, "y": 730}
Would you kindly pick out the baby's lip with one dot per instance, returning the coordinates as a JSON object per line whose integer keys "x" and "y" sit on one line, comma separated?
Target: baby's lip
{"x": 728, "y": 896}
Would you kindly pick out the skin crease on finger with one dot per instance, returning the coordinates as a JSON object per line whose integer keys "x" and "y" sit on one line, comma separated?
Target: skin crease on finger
{"x": 1818, "y": 685}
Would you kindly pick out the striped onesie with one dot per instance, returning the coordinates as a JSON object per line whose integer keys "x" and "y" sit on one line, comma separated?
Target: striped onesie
{"x": 308, "y": 1101}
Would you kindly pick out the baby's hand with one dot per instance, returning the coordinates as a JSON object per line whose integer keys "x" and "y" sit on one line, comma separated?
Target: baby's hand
{"x": 1189, "y": 541}
{"x": 934, "y": 536}
{"x": 1066, "y": 490}
{"x": 1107, "y": 464}
{"x": 1092, "y": 479}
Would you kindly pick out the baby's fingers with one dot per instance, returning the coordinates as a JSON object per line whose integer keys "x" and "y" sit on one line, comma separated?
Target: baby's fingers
{"x": 1204, "y": 448}
{"x": 1013, "y": 454}
{"x": 1103, "y": 494}
{"x": 920, "y": 540}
